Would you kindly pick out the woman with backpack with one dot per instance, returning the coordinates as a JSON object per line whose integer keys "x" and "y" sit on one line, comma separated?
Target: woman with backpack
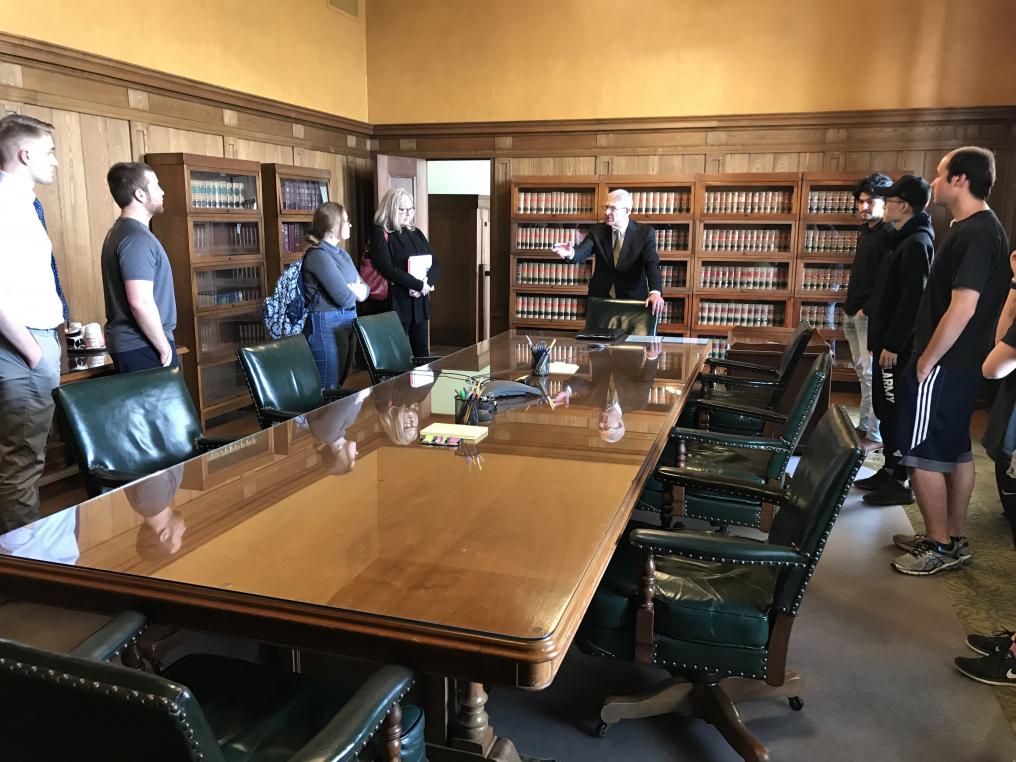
{"x": 402, "y": 254}
{"x": 332, "y": 287}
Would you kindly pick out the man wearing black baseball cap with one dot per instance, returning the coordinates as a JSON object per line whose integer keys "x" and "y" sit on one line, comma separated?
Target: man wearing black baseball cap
{"x": 892, "y": 311}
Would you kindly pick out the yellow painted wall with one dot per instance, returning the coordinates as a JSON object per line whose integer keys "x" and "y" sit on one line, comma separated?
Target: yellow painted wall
{"x": 300, "y": 52}
{"x": 466, "y": 60}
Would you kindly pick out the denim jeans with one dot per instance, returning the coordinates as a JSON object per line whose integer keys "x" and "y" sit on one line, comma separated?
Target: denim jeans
{"x": 855, "y": 328}
{"x": 330, "y": 336}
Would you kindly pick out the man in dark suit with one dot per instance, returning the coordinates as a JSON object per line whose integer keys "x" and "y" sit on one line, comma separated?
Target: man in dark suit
{"x": 627, "y": 266}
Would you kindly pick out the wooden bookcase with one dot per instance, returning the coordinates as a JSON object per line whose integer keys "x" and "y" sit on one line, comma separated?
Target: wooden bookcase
{"x": 213, "y": 231}
{"x": 755, "y": 250}
{"x": 291, "y": 196}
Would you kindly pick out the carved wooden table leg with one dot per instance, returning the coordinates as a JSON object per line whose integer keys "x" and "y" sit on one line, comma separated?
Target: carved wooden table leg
{"x": 473, "y": 730}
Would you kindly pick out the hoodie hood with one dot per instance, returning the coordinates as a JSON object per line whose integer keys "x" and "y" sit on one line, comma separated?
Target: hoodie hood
{"x": 920, "y": 222}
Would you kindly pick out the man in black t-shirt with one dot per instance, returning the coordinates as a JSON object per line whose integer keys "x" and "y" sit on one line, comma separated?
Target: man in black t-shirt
{"x": 953, "y": 334}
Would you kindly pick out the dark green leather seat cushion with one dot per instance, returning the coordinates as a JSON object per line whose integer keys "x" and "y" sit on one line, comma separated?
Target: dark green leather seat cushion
{"x": 695, "y": 602}
{"x": 384, "y": 342}
{"x": 282, "y": 374}
{"x": 260, "y": 715}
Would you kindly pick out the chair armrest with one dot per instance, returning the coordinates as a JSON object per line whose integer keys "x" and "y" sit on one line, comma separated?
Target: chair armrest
{"x": 712, "y": 546}
{"x": 726, "y": 406}
{"x": 274, "y": 415}
{"x": 207, "y": 444}
{"x": 702, "y": 436}
{"x": 749, "y": 367}
{"x": 354, "y": 724}
{"x": 108, "y": 477}
{"x": 109, "y": 640}
{"x": 723, "y": 485}
{"x": 330, "y": 395}
{"x": 720, "y": 378}
{"x": 424, "y": 359}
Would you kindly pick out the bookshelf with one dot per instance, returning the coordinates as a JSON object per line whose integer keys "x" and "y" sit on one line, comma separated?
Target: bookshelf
{"x": 213, "y": 231}
{"x": 291, "y": 196}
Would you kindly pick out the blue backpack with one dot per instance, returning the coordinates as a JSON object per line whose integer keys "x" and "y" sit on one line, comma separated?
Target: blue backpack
{"x": 286, "y": 310}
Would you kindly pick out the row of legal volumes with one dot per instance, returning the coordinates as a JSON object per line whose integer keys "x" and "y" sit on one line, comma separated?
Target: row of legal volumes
{"x": 241, "y": 236}
{"x": 830, "y": 202}
{"x": 744, "y": 276}
{"x": 227, "y": 335}
{"x": 552, "y": 274}
{"x": 749, "y": 202}
{"x": 720, "y": 346}
{"x": 830, "y": 241}
{"x": 303, "y": 195}
{"x": 824, "y": 278}
{"x": 550, "y": 307}
{"x": 293, "y": 236}
{"x": 746, "y": 239}
{"x": 220, "y": 194}
{"x": 674, "y": 276}
{"x": 740, "y": 313}
{"x": 556, "y": 202}
{"x": 569, "y": 353}
{"x": 661, "y": 202}
{"x": 672, "y": 239}
{"x": 824, "y": 315}
{"x": 529, "y": 237}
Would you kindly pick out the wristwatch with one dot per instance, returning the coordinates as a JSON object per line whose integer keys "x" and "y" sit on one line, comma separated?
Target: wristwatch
{"x": 1012, "y": 285}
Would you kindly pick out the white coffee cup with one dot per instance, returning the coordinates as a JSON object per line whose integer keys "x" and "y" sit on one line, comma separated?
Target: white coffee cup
{"x": 92, "y": 334}
{"x": 73, "y": 328}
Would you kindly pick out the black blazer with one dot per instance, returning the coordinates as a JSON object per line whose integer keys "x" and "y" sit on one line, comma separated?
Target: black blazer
{"x": 637, "y": 265}
{"x": 391, "y": 259}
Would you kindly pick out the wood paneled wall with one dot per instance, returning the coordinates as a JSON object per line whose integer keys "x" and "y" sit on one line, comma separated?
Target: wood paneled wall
{"x": 861, "y": 142}
{"x": 105, "y": 112}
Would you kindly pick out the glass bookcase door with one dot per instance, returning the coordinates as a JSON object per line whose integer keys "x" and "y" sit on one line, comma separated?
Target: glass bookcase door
{"x": 302, "y": 195}
{"x": 221, "y": 383}
{"x": 223, "y": 190}
{"x": 224, "y": 286}
{"x": 219, "y": 335}
{"x": 293, "y": 241}
{"x": 820, "y": 276}
{"x": 215, "y": 238}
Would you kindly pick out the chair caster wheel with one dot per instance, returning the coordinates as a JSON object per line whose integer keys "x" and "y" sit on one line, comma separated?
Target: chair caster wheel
{"x": 601, "y": 729}
{"x": 796, "y": 703}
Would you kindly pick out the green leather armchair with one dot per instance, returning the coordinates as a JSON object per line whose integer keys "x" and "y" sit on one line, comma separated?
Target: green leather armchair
{"x": 203, "y": 707}
{"x": 715, "y": 610}
{"x": 765, "y": 388}
{"x": 694, "y": 458}
{"x": 630, "y": 315}
{"x": 130, "y": 425}
{"x": 283, "y": 379}
{"x": 386, "y": 346}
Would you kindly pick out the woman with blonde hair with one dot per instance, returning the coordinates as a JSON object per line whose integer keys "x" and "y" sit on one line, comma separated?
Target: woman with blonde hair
{"x": 393, "y": 242}
{"x": 332, "y": 287}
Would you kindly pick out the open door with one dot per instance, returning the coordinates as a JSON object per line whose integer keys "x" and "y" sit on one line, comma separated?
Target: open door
{"x": 409, "y": 174}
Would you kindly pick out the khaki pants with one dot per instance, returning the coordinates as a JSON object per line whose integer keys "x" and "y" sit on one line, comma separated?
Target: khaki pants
{"x": 26, "y": 412}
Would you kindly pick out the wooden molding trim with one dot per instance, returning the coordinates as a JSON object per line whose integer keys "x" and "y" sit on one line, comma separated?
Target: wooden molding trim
{"x": 828, "y": 119}
{"x": 58, "y": 58}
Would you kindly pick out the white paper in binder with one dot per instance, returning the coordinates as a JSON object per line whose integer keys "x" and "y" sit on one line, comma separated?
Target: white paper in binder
{"x": 419, "y": 264}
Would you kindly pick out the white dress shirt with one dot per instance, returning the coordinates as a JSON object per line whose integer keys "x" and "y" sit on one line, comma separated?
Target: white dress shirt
{"x": 27, "y": 287}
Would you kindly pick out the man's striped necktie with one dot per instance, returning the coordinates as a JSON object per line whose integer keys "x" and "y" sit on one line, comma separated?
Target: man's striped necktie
{"x": 52, "y": 261}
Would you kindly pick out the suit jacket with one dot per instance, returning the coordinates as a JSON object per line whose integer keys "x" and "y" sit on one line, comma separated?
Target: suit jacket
{"x": 638, "y": 267}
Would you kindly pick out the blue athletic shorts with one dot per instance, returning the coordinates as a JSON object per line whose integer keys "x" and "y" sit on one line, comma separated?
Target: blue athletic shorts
{"x": 934, "y": 417}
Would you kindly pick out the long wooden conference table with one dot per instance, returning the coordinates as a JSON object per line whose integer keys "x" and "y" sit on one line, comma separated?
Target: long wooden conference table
{"x": 339, "y": 532}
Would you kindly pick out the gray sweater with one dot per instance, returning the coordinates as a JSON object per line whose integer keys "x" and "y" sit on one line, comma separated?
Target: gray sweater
{"x": 326, "y": 271}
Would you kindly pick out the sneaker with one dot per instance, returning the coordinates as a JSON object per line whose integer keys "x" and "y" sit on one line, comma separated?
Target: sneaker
{"x": 926, "y": 559}
{"x": 990, "y": 644}
{"x": 879, "y": 479}
{"x": 909, "y": 543}
{"x": 892, "y": 493}
{"x": 993, "y": 669}
{"x": 870, "y": 445}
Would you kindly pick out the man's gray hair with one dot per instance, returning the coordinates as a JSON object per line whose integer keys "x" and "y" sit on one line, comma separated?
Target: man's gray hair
{"x": 620, "y": 197}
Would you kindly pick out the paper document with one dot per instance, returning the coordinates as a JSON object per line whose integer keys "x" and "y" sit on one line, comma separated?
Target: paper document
{"x": 421, "y": 377}
{"x": 465, "y": 433}
{"x": 419, "y": 264}
{"x": 664, "y": 340}
{"x": 567, "y": 368}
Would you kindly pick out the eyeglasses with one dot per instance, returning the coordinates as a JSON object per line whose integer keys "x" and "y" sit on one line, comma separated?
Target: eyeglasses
{"x": 405, "y": 209}
{"x": 612, "y": 208}
{"x": 895, "y": 201}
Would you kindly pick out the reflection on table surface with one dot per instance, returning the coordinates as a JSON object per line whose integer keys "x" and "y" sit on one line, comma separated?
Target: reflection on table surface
{"x": 344, "y": 508}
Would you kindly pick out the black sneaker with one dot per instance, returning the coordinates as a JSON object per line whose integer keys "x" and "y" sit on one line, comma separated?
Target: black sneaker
{"x": 879, "y": 479}
{"x": 993, "y": 669}
{"x": 990, "y": 644}
{"x": 892, "y": 493}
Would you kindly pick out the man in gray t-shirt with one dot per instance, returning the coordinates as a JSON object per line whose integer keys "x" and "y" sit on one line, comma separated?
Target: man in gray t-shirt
{"x": 137, "y": 281}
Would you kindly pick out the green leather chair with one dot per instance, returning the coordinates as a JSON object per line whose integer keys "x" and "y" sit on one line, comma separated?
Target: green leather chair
{"x": 283, "y": 379}
{"x": 386, "y": 346}
{"x": 765, "y": 388}
{"x": 203, "y": 707}
{"x": 130, "y": 425}
{"x": 759, "y": 459}
{"x": 630, "y": 315}
{"x": 715, "y": 610}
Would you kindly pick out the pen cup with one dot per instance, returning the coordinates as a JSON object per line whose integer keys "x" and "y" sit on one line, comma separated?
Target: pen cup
{"x": 466, "y": 411}
{"x": 541, "y": 362}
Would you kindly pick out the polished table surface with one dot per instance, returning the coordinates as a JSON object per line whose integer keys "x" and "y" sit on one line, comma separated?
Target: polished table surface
{"x": 339, "y": 531}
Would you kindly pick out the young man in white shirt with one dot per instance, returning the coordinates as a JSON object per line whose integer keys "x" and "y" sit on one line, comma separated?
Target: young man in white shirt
{"x": 30, "y": 312}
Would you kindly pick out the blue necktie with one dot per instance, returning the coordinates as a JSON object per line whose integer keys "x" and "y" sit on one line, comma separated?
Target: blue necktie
{"x": 52, "y": 261}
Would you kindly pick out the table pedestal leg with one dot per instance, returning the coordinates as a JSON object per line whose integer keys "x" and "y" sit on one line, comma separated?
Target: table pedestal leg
{"x": 472, "y": 725}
